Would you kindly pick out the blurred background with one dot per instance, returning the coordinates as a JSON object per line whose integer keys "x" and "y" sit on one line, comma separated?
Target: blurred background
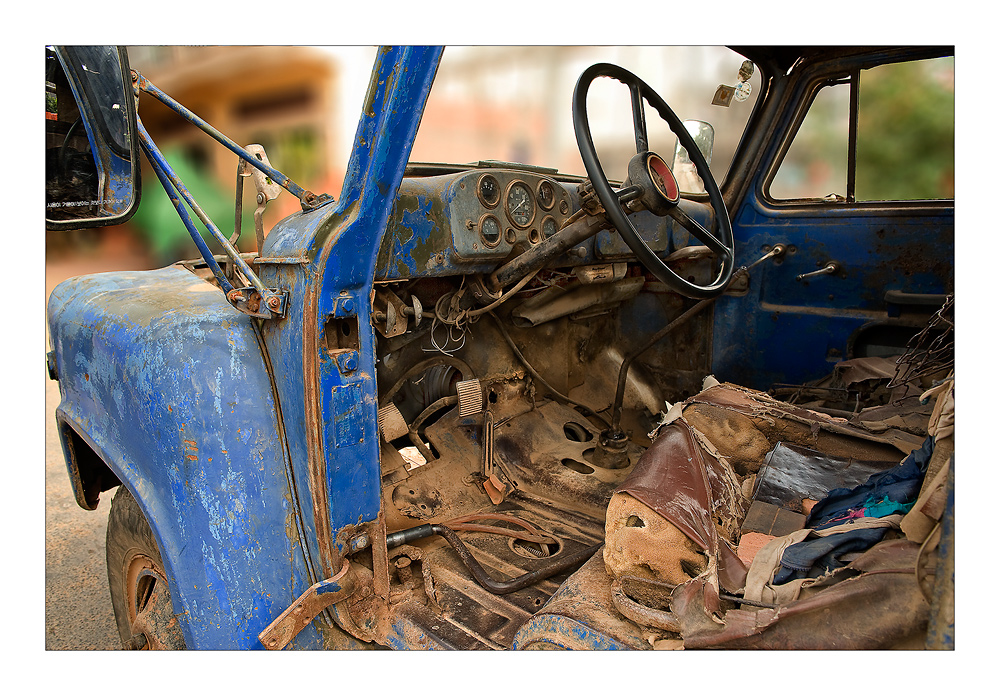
{"x": 509, "y": 103}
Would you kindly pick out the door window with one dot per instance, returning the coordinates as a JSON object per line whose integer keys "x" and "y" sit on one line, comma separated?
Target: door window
{"x": 904, "y": 138}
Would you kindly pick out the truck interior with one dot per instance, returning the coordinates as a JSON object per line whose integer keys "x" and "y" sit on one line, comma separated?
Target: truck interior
{"x": 656, "y": 410}
{"x": 547, "y": 408}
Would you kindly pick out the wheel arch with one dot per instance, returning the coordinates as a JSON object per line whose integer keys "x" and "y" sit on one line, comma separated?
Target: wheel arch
{"x": 89, "y": 474}
{"x": 221, "y": 594}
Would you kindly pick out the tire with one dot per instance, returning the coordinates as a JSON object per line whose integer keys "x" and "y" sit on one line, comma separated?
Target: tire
{"x": 139, "y": 591}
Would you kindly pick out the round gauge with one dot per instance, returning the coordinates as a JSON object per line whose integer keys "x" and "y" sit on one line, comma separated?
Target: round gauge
{"x": 549, "y": 227}
{"x": 546, "y": 195}
{"x": 488, "y": 190}
{"x": 520, "y": 204}
{"x": 489, "y": 230}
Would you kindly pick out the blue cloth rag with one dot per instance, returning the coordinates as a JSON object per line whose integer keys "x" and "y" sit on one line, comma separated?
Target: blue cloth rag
{"x": 886, "y": 493}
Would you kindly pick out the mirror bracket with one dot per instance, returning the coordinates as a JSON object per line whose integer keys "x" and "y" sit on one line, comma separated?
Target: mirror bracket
{"x": 255, "y": 300}
{"x": 92, "y": 173}
{"x": 251, "y": 302}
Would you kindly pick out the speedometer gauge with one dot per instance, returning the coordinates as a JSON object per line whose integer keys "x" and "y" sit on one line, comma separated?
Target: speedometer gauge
{"x": 520, "y": 204}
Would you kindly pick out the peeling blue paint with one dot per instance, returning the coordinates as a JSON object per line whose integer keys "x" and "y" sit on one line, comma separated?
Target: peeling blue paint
{"x": 194, "y": 429}
{"x": 202, "y": 471}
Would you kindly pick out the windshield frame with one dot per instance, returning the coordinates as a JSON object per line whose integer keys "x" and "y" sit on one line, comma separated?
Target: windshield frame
{"x": 429, "y": 159}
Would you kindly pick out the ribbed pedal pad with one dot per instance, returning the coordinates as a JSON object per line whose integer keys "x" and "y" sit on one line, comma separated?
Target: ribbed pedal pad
{"x": 470, "y": 398}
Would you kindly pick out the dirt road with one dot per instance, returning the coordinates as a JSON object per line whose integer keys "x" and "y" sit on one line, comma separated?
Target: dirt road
{"x": 78, "y": 613}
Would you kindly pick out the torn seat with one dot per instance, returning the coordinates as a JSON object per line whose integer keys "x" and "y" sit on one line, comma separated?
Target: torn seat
{"x": 674, "y": 525}
{"x": 696, "y": 479}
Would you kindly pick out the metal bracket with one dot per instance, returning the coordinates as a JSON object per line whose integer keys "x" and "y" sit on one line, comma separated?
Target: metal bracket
{"x": 390, "y": 313}
{"x": 251, "y": 302}
{"x": 311, "y": 201}
{"x": 493, "y": 481}
{"x": 588, "y": 199}
{"x": 307, "y": 607}
{"x": 267, "y": 190}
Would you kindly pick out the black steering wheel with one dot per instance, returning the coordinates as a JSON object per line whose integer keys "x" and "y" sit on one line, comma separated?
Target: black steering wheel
{"x": 651, "y": 180}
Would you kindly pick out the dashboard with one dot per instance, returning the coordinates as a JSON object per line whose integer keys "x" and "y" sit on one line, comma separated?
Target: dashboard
{"x": 470, "y": 221}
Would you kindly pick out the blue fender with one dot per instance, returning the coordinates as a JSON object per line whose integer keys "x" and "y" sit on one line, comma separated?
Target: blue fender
{"x": 247, "y": 477}
{"x": 166, "y": 382}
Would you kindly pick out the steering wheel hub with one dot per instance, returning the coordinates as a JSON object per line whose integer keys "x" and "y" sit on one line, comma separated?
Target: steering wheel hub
{"x": 660, "y": 191}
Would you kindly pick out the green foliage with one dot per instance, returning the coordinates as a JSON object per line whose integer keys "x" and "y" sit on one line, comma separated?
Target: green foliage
{"x": 816, "y": 164}
{"x": 157, "y": 219}
{"x": 298, "y": 150}
{"x": 906, "y": 131}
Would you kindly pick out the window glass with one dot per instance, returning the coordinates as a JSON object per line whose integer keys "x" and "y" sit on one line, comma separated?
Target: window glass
{"x": 815, "y": 166}
{"x": 514, "y": 104}
{"x": 906, "y": 131}
{"x": 906, "y": 138}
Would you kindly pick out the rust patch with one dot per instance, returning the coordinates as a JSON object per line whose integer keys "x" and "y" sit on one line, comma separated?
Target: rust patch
{"x": 300, "y": 614}
{"x": 329, "y": 558}
{"x": 365, "y": 614}
{"x": 416, "y": 502}
{"x": 911, "y": 258}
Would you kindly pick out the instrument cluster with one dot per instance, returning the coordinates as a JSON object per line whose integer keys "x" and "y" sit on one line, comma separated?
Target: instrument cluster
{"x": 499, "y": 209}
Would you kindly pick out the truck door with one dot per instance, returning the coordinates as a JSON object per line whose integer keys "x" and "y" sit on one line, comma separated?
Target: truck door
{"x": 860, "y": 187}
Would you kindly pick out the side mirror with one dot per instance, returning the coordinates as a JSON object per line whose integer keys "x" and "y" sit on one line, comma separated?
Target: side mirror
{"x": 683, "y": 168}
{"x": 91, "y": 142}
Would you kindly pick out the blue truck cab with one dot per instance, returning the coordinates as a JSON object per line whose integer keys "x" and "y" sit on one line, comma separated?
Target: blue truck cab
{"x": 496, "y": 406}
